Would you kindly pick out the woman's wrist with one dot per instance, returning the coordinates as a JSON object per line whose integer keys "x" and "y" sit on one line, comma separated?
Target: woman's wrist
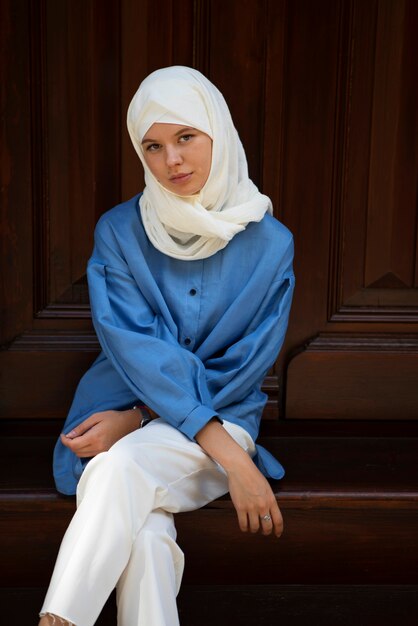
{"x": 219, "y": 444}
{"x": 145, "y": 415}
{"x": 237, "y": 462}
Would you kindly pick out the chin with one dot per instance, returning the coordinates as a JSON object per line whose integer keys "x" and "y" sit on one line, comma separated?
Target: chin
{"x": 185, "y": 194}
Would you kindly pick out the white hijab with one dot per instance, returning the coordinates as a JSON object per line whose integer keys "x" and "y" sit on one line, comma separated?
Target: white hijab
{"x": 194, "y": 227}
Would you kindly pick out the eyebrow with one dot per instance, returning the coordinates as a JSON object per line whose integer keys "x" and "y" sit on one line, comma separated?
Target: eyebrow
{"x": 179, "y": 132}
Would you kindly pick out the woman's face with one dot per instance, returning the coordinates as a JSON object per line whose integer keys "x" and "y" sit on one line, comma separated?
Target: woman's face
{"x": 179, "y": 157}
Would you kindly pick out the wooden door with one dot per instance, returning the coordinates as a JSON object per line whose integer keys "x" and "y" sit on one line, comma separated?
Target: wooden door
{"x": 325, "y": 98}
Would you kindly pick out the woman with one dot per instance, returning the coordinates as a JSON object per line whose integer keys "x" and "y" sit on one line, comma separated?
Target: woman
{"x": 190, "y": 287}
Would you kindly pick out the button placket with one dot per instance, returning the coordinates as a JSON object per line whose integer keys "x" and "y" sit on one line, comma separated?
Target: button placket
{"x": 191, "y": 318}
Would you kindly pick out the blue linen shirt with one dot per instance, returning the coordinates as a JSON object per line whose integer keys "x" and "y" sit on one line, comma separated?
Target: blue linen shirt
{"x": 190, "y": 339}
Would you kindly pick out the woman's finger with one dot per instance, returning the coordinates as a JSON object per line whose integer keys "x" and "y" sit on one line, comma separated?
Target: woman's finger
{"x": 277, "y": 519}
{"x": 83, "y": 427}
{"x": 254, "y": 520}
{"x": 266, "y": 523}
{"x": 242, "y": 521}
{"x": 81, "y": 446}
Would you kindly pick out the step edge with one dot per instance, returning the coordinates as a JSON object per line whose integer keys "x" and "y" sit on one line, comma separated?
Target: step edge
{"x": 12, "y": 500}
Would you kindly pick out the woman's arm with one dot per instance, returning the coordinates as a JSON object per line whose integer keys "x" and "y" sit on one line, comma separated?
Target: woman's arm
{"x": 250, "y": 491}
{"x": 100, "y": 431}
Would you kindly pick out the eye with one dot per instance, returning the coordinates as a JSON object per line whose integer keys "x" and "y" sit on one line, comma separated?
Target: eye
{"x": 152, "y": 147}
{"x": 185, "y": 138}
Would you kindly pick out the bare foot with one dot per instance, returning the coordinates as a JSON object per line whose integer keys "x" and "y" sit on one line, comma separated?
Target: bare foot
{"x": 53, "y": 620}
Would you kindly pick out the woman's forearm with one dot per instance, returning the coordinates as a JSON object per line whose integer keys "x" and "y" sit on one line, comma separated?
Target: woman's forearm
{"x": 250, "y": 492}
{"x": 219, "y": 444}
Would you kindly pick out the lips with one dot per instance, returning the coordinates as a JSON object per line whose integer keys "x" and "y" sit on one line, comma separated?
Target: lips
{"x": 181, "y": 177}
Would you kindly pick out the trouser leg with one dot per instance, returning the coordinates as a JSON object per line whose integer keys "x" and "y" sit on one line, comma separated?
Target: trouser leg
{"x": 153, "y": 468}
{"x": 147, "y": 589}
{"x": 114, "y": 498}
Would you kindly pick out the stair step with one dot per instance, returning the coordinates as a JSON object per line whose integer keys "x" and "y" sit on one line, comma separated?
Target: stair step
{"x": 350, "y": 507}
{"x": 256, "y": 605}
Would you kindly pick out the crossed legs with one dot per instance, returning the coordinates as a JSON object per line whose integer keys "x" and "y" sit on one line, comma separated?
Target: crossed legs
{"x": 123, "y": 534}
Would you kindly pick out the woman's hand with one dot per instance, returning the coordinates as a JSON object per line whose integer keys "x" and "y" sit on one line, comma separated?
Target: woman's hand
{"x": 250, "y": 491}
{"x": 253, "y": 499}
{"x": 100, "y": 431}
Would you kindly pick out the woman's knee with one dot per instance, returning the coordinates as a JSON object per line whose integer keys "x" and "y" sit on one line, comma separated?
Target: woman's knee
{"x": 106, "y": 472}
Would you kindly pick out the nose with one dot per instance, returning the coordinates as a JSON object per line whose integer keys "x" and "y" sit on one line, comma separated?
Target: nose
{"x": 173, "y": 156}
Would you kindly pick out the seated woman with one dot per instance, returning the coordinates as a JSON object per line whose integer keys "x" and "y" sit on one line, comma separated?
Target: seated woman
{"x": 190, "y": 286}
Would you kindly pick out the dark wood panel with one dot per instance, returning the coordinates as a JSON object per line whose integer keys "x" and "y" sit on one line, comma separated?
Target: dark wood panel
{"x": 82, "y": 137}
{"x": 391, "y": 216}
{"x": 154, "y": 35}
{"x": 369, "y": 146}
{"x": 310, "y": 92}
{"x": 377, "y": 236}
{"x": 170, "y": 33}
{"x": 40, "y": 384}
{"x": 356, "y": 129}
{"x": 306, "y": 87}
{"x": 133, "y": 68}
{"x": 276, "y": 42}
{"x": 353, "y": 381}
{"x": 244, "y": 48}
{"x": 61, "y": 152}
{"x": 16, "y": 177}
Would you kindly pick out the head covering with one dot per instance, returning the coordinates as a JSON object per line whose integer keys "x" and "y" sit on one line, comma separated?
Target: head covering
{"x": 194, "y": 227}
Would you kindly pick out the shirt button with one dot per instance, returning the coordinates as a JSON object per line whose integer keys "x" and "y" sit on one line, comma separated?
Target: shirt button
{"x": 187, "y": 341}
{"x": 192, "y": 292}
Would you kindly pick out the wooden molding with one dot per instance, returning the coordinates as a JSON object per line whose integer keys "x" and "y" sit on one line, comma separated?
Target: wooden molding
{"x": 40, "y": 209}
{"x": 65, "y": 311}
{"x": 379, "y": 342}
{"x": 201, "y": 35}
{"x": 401, "y": 315}
{"x": 50, "y": 341}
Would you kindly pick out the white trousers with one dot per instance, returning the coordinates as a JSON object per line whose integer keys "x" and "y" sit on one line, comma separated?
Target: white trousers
{"x": 123, "y": 535}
